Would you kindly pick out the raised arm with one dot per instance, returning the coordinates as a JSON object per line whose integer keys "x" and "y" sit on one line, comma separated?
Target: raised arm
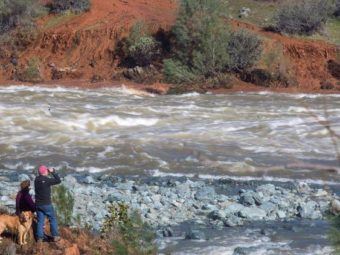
{"x": 56, "y": 179}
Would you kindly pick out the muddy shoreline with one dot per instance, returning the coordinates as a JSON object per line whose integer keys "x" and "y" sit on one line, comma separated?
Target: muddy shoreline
{"x": 162, "y": 88}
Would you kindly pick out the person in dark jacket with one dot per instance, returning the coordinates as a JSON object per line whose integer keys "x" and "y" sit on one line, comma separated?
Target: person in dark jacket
{"x": 24, "y": 201}
{"x": 44, "y": 207}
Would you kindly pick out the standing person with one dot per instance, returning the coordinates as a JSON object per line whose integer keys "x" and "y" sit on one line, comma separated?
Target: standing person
{"x": 24, "y": 201}
{"x": 43, "y": 202}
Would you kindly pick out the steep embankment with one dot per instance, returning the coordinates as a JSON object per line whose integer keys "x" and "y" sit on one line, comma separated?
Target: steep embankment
{"x": 82, "y": 47}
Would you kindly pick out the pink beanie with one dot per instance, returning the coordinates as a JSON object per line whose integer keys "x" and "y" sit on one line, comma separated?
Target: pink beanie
{"x": 43, "y": 170}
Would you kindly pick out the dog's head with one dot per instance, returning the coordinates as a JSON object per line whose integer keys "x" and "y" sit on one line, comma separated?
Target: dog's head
{"x": 25, "y": 216}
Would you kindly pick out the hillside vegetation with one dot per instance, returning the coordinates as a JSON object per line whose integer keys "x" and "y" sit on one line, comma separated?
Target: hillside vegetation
{"x": 199, "y": 45}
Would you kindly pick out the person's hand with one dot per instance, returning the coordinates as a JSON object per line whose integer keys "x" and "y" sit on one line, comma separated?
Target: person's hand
{"x": 51, "y": 170}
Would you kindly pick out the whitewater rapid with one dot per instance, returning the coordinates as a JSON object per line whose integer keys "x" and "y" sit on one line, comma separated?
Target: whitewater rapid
{"x": 240, "y": 135}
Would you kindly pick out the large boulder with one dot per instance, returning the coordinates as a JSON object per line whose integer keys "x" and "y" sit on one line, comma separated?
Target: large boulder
{"x": 233, "y": 221}
{"x": 252, "y": 213}
{"x": 205, "y": 194}
{"x": 195, "y": 234}
{"x": 309, "y": 210}
{"x": 249, "y": 198}
{"x": 217, "y": 215}
{"x": 234, "y": 209}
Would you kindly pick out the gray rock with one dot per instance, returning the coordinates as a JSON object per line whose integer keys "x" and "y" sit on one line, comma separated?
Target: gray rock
{"x": 233, "y": 221}
{"x": 116, "y": 197}
{"x": 195, "y": 234}
{"x": 70, "y": 180}
{"x": 250, "y": 198}
{"x": 335, "y": 207}
{"x": 281, "y": 214}
{"x": 89, "y": 180}
{"x": 268, "y": 207}
{"x": 167, "y": 232}
{"x": 234, "y": 209}
{"x": 11, "y": 249}
{"x": 267, "y": 232}
{"x": 266, "y": 189}
{"x": 205, "y": 194}
{"x": 244, "y": 12}
{"x": 23, "y": 177}
{"x": 309, "y": 210}
{"x": 252, "y": 213}
{"x": 244, "y": 250}
{"x": 209, "y": 207}
{"x": 217, "y": 215}
{"x": 125, "y": 185}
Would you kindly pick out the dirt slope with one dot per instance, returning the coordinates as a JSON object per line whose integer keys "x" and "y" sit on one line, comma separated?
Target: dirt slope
{"x": 82, "y": 46}
{"x": 306, "y": 59}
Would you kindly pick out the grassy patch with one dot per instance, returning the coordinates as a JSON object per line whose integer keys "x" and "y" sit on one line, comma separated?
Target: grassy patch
{"x": 261, "y": 13}
{"x": 59, "y": 19}
{"x": 333, "y": 29}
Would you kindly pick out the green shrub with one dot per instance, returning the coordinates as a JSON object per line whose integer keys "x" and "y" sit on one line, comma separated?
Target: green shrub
{"x": 77, "y": 6}
{"x": 200, "y": 36}
{"x": 304, "y": 17}
{"x": 136, "y": 235}
{"x": 14, "y": 13}
{"x": 31, "y": 73}
{"x": 244, "y": 50}
{"x": 139, "y": 48}
{"x": 176, "y": 72}
{"x": 334, "y": 234}
{"x": 204, "y": 46}
{"x": 144, "y": 50}
{"x": 337, "y": 8}
{"x": 64, "y": 202}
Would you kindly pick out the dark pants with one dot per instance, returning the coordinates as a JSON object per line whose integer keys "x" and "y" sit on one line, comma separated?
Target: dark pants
{"x": 42, "y": 212}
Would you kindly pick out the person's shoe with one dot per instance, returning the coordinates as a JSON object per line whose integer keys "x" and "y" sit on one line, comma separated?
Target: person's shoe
{"x": 56, "y": 238}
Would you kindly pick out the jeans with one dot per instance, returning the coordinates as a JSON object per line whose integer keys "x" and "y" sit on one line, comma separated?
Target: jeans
{"x": 42, "y": 212}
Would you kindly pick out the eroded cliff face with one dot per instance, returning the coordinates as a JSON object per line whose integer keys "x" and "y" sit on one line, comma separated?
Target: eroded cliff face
{"x": 304, "y": 60}
{"x": 83, "y": 46}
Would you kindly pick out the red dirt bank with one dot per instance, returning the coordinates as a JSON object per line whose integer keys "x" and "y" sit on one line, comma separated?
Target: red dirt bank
{"x": 84, "y": 46}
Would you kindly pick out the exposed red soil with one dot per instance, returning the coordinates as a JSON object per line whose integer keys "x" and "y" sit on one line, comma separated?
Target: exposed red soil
{"x": 307, "y": 58}
{"x": 84, "y": 46}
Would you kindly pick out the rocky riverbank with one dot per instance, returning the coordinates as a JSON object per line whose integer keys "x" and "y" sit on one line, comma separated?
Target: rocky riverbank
{"x": 168, "y": 201}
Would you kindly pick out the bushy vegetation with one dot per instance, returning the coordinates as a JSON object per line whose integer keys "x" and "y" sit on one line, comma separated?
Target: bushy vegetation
{"x": 64, "y": 203}
{"x": 136, "y": 236}
{"x": 14, "y": 13}
{"x": 139, "y": 48}
{"x": 334, "y": 234}
{"x": 77, "y": 6}
{"x": 31, "y": 73}
{"x": 244, "y": 50}
{"x": 303, "y": 17}
{"x": 337, "y": 8}
{"x": 204, "y": 46}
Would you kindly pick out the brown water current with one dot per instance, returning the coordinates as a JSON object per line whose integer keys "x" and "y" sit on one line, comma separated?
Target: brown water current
{"x": 241, "y": 135}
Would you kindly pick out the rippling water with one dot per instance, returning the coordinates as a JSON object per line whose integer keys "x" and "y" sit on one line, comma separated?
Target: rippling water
{"x": 243, "y": 134}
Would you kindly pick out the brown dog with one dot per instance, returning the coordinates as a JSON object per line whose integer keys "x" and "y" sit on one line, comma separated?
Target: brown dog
{"x": 18, "y": 225}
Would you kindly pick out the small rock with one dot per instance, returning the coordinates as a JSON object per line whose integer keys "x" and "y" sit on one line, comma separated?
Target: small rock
{"x": 10, "y": 249}
{"x": 167, "y": 232}
{"x": 217, "y": 215}
{"x": 195, "y": 234}
{"x": 89, "y": 180}
{"x": 244, "y": 250}
{"x": 233, "y": 221}
{"x": 244, "y": 12}
{"x": 335, "y": 207}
